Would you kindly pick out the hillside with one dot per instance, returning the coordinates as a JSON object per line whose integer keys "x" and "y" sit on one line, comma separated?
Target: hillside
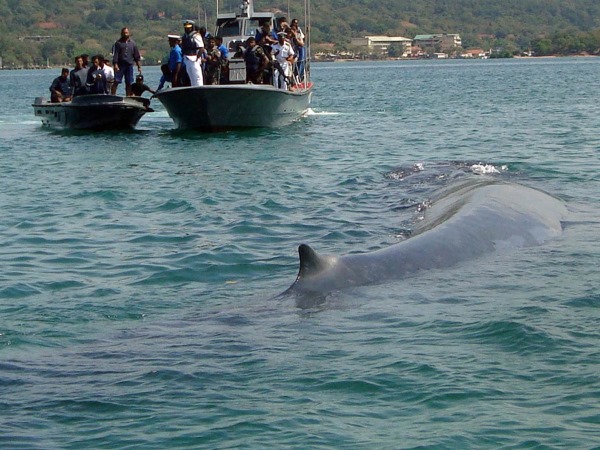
{"x": 91, "y": 26}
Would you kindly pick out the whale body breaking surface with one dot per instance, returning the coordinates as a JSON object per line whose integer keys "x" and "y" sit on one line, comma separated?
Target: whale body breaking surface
{"x": 465, "y": 221}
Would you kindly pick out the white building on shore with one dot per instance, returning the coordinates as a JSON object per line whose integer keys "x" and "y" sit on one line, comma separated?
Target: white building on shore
{"x": 382, "y": 44}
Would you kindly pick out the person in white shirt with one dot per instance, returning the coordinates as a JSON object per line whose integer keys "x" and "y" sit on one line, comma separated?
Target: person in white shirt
{"x": 284, "y": 58}
{"x": 109, "y": 73}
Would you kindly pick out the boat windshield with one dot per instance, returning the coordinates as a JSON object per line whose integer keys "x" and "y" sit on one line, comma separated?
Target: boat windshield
{"x": 229, "y": 28}
{"x": 252, "y": 27}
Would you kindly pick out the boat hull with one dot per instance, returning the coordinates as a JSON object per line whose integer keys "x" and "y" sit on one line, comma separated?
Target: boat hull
{"x": 92, "y": 112}
{"x": 238, "y": 106}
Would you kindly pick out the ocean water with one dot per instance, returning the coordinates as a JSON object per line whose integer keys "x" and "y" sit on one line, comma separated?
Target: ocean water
{"x": 140, "y": 271}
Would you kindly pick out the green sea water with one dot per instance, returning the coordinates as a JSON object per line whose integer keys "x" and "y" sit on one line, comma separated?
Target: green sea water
{"x": 140, "y": 271}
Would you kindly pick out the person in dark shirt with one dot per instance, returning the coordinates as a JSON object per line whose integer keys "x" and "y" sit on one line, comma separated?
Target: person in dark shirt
{"x": 138, "y": 88}
{"x": 96, "y": 78}
{"x": 212, "y": 71}
{"x": 256, "y": 61}
{"x": 125, "y": 55}
{"x": 78, "y": 78}
{"x": 60, "y": 90}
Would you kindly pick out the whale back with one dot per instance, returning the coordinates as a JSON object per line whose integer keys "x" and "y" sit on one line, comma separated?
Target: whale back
{"x": 465, "y": 221}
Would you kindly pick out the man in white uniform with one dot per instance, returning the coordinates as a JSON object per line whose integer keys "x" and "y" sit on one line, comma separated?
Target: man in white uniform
{"x": 284, "y": 57}
{"x": 192, "y": 47}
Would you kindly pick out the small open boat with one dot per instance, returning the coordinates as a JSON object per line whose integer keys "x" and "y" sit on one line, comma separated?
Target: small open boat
{"x": 238, "y": 105}
{"x": 93, "y": 112}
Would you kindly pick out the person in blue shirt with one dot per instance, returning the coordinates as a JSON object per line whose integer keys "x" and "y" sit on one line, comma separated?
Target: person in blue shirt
{"x": 175, "y": 60}
{"x": 224, "y": 60}
{"x": 60, "y": 90}
{"x": 173, "y": 70}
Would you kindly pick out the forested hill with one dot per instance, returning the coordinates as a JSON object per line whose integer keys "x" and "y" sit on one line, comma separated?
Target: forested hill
{"x": 91, "y": 26}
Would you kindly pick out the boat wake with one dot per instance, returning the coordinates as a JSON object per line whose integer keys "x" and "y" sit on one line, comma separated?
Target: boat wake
{"x": 311, "y": 112}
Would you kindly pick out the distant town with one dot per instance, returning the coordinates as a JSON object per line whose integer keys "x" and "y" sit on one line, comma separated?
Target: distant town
{"x": 430, "y": 46}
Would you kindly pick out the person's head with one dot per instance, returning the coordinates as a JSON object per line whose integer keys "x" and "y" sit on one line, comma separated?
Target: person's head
{"x": 78, "y": 62}
{"x": 96, "y": 60}
{"x": 64, "y": 72}
{"x": 139, "y": 79}
{"x": 218, "y": 40}
{"x": 188, "y": 26}
{"x": 106, "y": 62}
{"x": 124, "y": 33}
{"x": 294, "y": 24}
{"x": 250, "y": 42}
{"x": 266, "y": 26}
{"x": 173, "y": 40}
{"x": 282, "y": 23}
{"x": 210, "y": 43}
{"x": 202, "y": 31}
{"x": 281, "y": 37}
{"x": 86, "y": 59}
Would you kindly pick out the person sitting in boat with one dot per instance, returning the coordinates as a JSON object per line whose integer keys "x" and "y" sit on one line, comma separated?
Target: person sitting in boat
{"x": 192, "y": 47}
{"x": 284, "y": 58}
{"x": 60, "y": 89}
{"x": 78, "y": 78}
{"x": 138, "y": 88}
{"x": 224, "y": 60}
{"x": 96, "y": 79}
{"x": 212, "y": 70}
{"x": 256, "y": 61}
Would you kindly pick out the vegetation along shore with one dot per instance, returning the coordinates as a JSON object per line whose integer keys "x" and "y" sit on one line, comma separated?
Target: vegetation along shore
{"x": 35, "y": 33}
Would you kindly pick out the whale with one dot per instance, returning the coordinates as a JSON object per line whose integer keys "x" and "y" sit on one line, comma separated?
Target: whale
{"x": 464, "y": 221}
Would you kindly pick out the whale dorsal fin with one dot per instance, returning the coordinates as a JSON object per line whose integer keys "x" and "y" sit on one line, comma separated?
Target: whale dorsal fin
{"x": 310, "y": 262}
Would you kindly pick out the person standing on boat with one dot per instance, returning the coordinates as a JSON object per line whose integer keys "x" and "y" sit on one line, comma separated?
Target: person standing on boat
{"x": 256, "y": 61}
{"x": 266, "y": 38}
{"x": 96, "y": 79}
{"x": 175, "y": 60}
{"x": 212, "y": 70}
{"x": 297, "y": 38}
{"x": 109, "y": 73}
{"x": 60, "y": 90}
{"x": 224, "y": 60}
{"x": 78, "y": 77}
{"x": 125, "y": 55}
{"x": 284, "y": 58}
{"x": 192, "y": 47}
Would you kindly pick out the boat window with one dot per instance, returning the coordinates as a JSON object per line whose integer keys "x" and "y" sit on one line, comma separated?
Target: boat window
{"x": 235, "y": 45}
{"x": 251, "y": 27}
{"x": 229, "y": 28}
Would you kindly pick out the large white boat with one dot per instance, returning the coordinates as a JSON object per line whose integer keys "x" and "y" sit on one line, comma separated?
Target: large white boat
{"x": 236, "y": 105}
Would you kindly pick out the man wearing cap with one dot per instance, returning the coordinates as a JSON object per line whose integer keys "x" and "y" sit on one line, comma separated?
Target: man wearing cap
{"x": 175, "y": 59}
{"x": 192, "y": 47}
{"x": 125, "y": 55}
{"x": 284, "y": 58}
